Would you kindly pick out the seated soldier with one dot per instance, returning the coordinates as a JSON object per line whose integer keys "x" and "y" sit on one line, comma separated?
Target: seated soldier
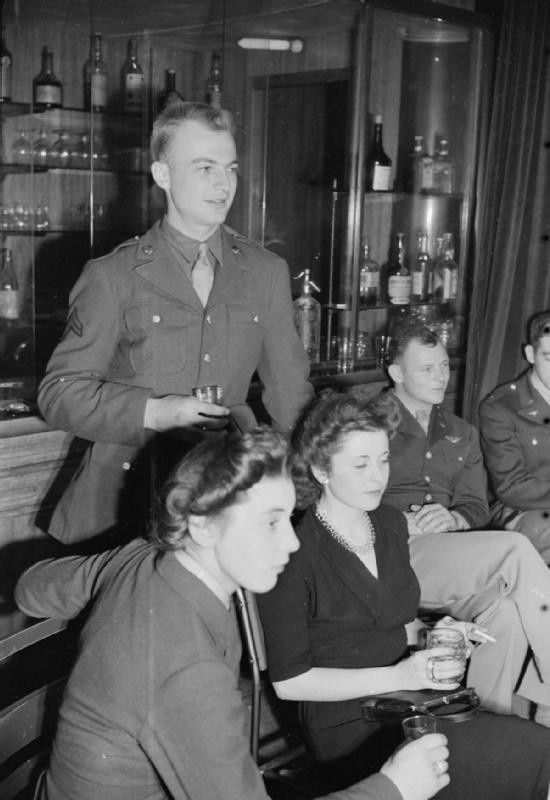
{"x": 152, "y": 709}
{"x": 496, "y": 579}
{"x": 515, "y": 438}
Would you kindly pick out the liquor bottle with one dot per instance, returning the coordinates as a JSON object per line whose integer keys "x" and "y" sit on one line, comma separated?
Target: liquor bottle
{"x": 133, "y": 82}
{"x": 399, "y": 278}
{"x": 6, "y": 63}
{"x": 438, "y": 270}
{"x": 214, "y": 84}
{"x": 378, "y": 163}
{"x": 450, "y": 269}
{"x": 47, "y": 90}
{"x": 413, "y": 172}
{"x": 9, "y": 288}
{"x": 95, "y": 77}
{"x": 443, "y": 167}
{"x": 307, "y": 318}
{"x": 169, "y": 93}
{"x": 422, "y": 275}
{"x": 369, "y": 277}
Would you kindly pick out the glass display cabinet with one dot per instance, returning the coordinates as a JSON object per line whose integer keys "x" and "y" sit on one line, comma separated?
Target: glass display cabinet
{"x": 306, "y": 87}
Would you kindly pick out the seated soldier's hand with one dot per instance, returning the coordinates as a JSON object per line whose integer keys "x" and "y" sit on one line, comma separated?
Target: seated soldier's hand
{"x": 419, "y": 769}
{"x": 433, "y": 518}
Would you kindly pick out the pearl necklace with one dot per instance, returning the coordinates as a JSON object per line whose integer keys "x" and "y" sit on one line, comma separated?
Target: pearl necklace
{"x": 360, "y": 550}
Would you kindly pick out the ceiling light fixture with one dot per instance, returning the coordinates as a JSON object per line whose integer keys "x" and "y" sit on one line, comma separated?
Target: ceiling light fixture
{"x": 294, "y": 45}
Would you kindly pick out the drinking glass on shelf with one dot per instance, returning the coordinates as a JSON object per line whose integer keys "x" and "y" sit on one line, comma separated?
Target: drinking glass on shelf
{"x": 41, "y": 149}
{"x": 21, "y": 148}
{"x": 381, "y": 347}
{"x": 345, "y": 354}
{"x": 60, "y": 150}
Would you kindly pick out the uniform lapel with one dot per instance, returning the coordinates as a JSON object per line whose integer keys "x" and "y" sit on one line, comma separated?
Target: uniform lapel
{"x": 532, "y": 406}
{"x": 230, "y": 282}
{"x": 158, "y": 265}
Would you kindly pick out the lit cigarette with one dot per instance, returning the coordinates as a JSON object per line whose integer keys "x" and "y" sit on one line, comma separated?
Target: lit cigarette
{"x": 483, "y": 634}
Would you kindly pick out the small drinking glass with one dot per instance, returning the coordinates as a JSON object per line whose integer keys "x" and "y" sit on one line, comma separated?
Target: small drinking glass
{"x": 381, "y": 348}
{"x": 453, "y": 640}
{"x": 208, "y": 394}
{"x": 418, "y": 726}
{"x": 21, "y": 148}
{"x": 345, "y": 354}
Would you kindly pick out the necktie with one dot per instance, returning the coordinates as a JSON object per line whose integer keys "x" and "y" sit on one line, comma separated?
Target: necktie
{"x": 423, "y": 419}
{"x": 202, "y": 274}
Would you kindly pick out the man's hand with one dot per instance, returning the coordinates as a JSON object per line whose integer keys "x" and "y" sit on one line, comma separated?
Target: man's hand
{"x": 176, "y": 412}
{"x": 419, "y": 769}
{"x": 432, "y": 518}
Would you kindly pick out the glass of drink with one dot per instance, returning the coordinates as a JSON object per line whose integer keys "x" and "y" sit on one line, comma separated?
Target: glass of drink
{"x": 381, "y": 346}
{"x": 454, "y": 641}
{"x": 208, "y": 394}
{"x": 419, "y": 725}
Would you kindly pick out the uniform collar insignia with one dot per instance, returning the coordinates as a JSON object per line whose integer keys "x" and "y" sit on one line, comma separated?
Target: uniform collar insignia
{"x": 453, "y": 439}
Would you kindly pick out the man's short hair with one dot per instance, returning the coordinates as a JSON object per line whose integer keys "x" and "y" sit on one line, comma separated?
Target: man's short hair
{"x": 538, "y": 327}
{"x": 177, "y": 111}
{"x": 412, "y": 330}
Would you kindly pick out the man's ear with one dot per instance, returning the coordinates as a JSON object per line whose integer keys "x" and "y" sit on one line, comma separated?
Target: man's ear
{"x": 201, "y": 530}
{"x": 529, "y": 353}
{"x": 161, "y": 174}
{"x": 394, "y": 371}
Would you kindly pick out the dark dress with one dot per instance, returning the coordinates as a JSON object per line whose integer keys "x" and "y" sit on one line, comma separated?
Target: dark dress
{"x": 328, "y": 610}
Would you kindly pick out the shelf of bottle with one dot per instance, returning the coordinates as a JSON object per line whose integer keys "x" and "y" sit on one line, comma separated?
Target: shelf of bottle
{"x": 398, "y": 194}
{"x": 73, "y": 231}
{"x": 18, "y": 109}
{"x": 387, "y": 306}
{"x": 15, "y": 109}
{"x": 13, "y": 168}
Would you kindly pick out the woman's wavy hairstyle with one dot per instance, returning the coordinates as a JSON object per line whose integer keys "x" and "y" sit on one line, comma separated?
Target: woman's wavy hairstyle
{"x": 320, "y": 429}
{"x": 211, "y": 477}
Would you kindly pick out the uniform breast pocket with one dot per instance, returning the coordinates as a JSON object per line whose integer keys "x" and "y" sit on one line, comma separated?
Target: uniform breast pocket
{"x": 154, "y": 339}
{"x": 245, "y": 338}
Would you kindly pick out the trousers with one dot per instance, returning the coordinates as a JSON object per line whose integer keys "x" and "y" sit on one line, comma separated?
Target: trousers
{"x": 496, "y": 579}
{"x": 535, "y": 525}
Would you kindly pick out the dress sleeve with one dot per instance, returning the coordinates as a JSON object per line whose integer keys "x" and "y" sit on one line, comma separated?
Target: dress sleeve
{"x": 195, "y": 737}
{"x": 287, "y": 645}
{"x": 60, "y": 587}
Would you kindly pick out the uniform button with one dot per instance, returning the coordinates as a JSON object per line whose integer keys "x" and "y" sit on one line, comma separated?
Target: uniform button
{"x": 255, "y": 318}
{"x": 427, "y": 479}
{"x": 428, "y": 497}
{"x": 206, "y": 357}
{"x": 513, "y": 387}
{"x": 461, "y": 458}
{"x": 534, "y": 441}
{"x": 126, "y": 465}
{"x": 428, "y": 454}
{"x": 147, "y": 249}
{"x": 156, "y": 318}
{"x": 209, "y": 319}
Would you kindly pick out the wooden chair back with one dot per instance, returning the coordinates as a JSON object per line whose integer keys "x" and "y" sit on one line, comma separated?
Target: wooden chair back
{"x": 34, "y": 665}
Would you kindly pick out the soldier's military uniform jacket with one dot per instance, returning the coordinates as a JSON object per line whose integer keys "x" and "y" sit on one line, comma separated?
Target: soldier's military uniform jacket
{"x": 137, "y": 329}
{"x": 446, "y": 466}
{"x": 515, "y": 438}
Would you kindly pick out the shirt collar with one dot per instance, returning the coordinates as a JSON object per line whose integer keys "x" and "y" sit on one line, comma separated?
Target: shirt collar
{"x": 205, "y": 577}
{"x": 537, "y": 384}
{"x": 187, "y": 247}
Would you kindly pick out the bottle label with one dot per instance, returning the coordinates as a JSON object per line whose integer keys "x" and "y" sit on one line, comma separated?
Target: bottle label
{"x": 370, "y": 280}
{"x": 8, "y": 304}
{"x": 381, "y": 178}
{"x": 399, "y": 289}
{"x": 427, "y": 173}
{"x": 417, "y": 283}
{"x": 48, "y": 95}
{"x": 133, "y": 91}
{"x": 99, "y": 90}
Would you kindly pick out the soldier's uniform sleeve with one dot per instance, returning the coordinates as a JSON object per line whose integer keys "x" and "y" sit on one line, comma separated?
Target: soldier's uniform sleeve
{"x": 470, "y": 490}
{"x": 76, "y": 395}
{"x": 513, "y": 481}
{"x": 283, "y": 366}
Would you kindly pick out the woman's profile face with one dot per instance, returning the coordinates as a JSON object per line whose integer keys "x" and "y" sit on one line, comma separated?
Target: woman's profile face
{"x": 359, "y": 471}
{"x": 255, "y": 537}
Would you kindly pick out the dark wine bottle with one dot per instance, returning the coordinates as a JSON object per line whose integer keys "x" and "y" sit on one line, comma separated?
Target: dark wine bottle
{"x": 133, "y": 82}
{"x": 6, "y": 63}
{"x": 47, "y": 90}
{"x": 169, "y": 93}
{"x": 378, "y": 163}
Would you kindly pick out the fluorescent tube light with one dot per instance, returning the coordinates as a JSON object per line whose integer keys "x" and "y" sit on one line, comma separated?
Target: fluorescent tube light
{"x": 294, "y": 45}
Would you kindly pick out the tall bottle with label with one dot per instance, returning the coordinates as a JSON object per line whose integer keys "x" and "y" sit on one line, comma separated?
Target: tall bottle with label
{"x": 449, "y": 269}
{"x": 169, "y": 92}
{"x": 6, "y": 63}
{"x": 9, "y": 287}
{"x": 422, "y": 274}
{"x": 95, "y": 77}
{"x": 133, "y": 82}
{"x": 379, "y": 164}
{"x": 443, "y": 167}
{"x": 214, "y": 83}
{"x": 307, "y": 318}
{"x": 399, "y": 276}
{"x": 369, "y": 277}
{"x": 47, "y": 90}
